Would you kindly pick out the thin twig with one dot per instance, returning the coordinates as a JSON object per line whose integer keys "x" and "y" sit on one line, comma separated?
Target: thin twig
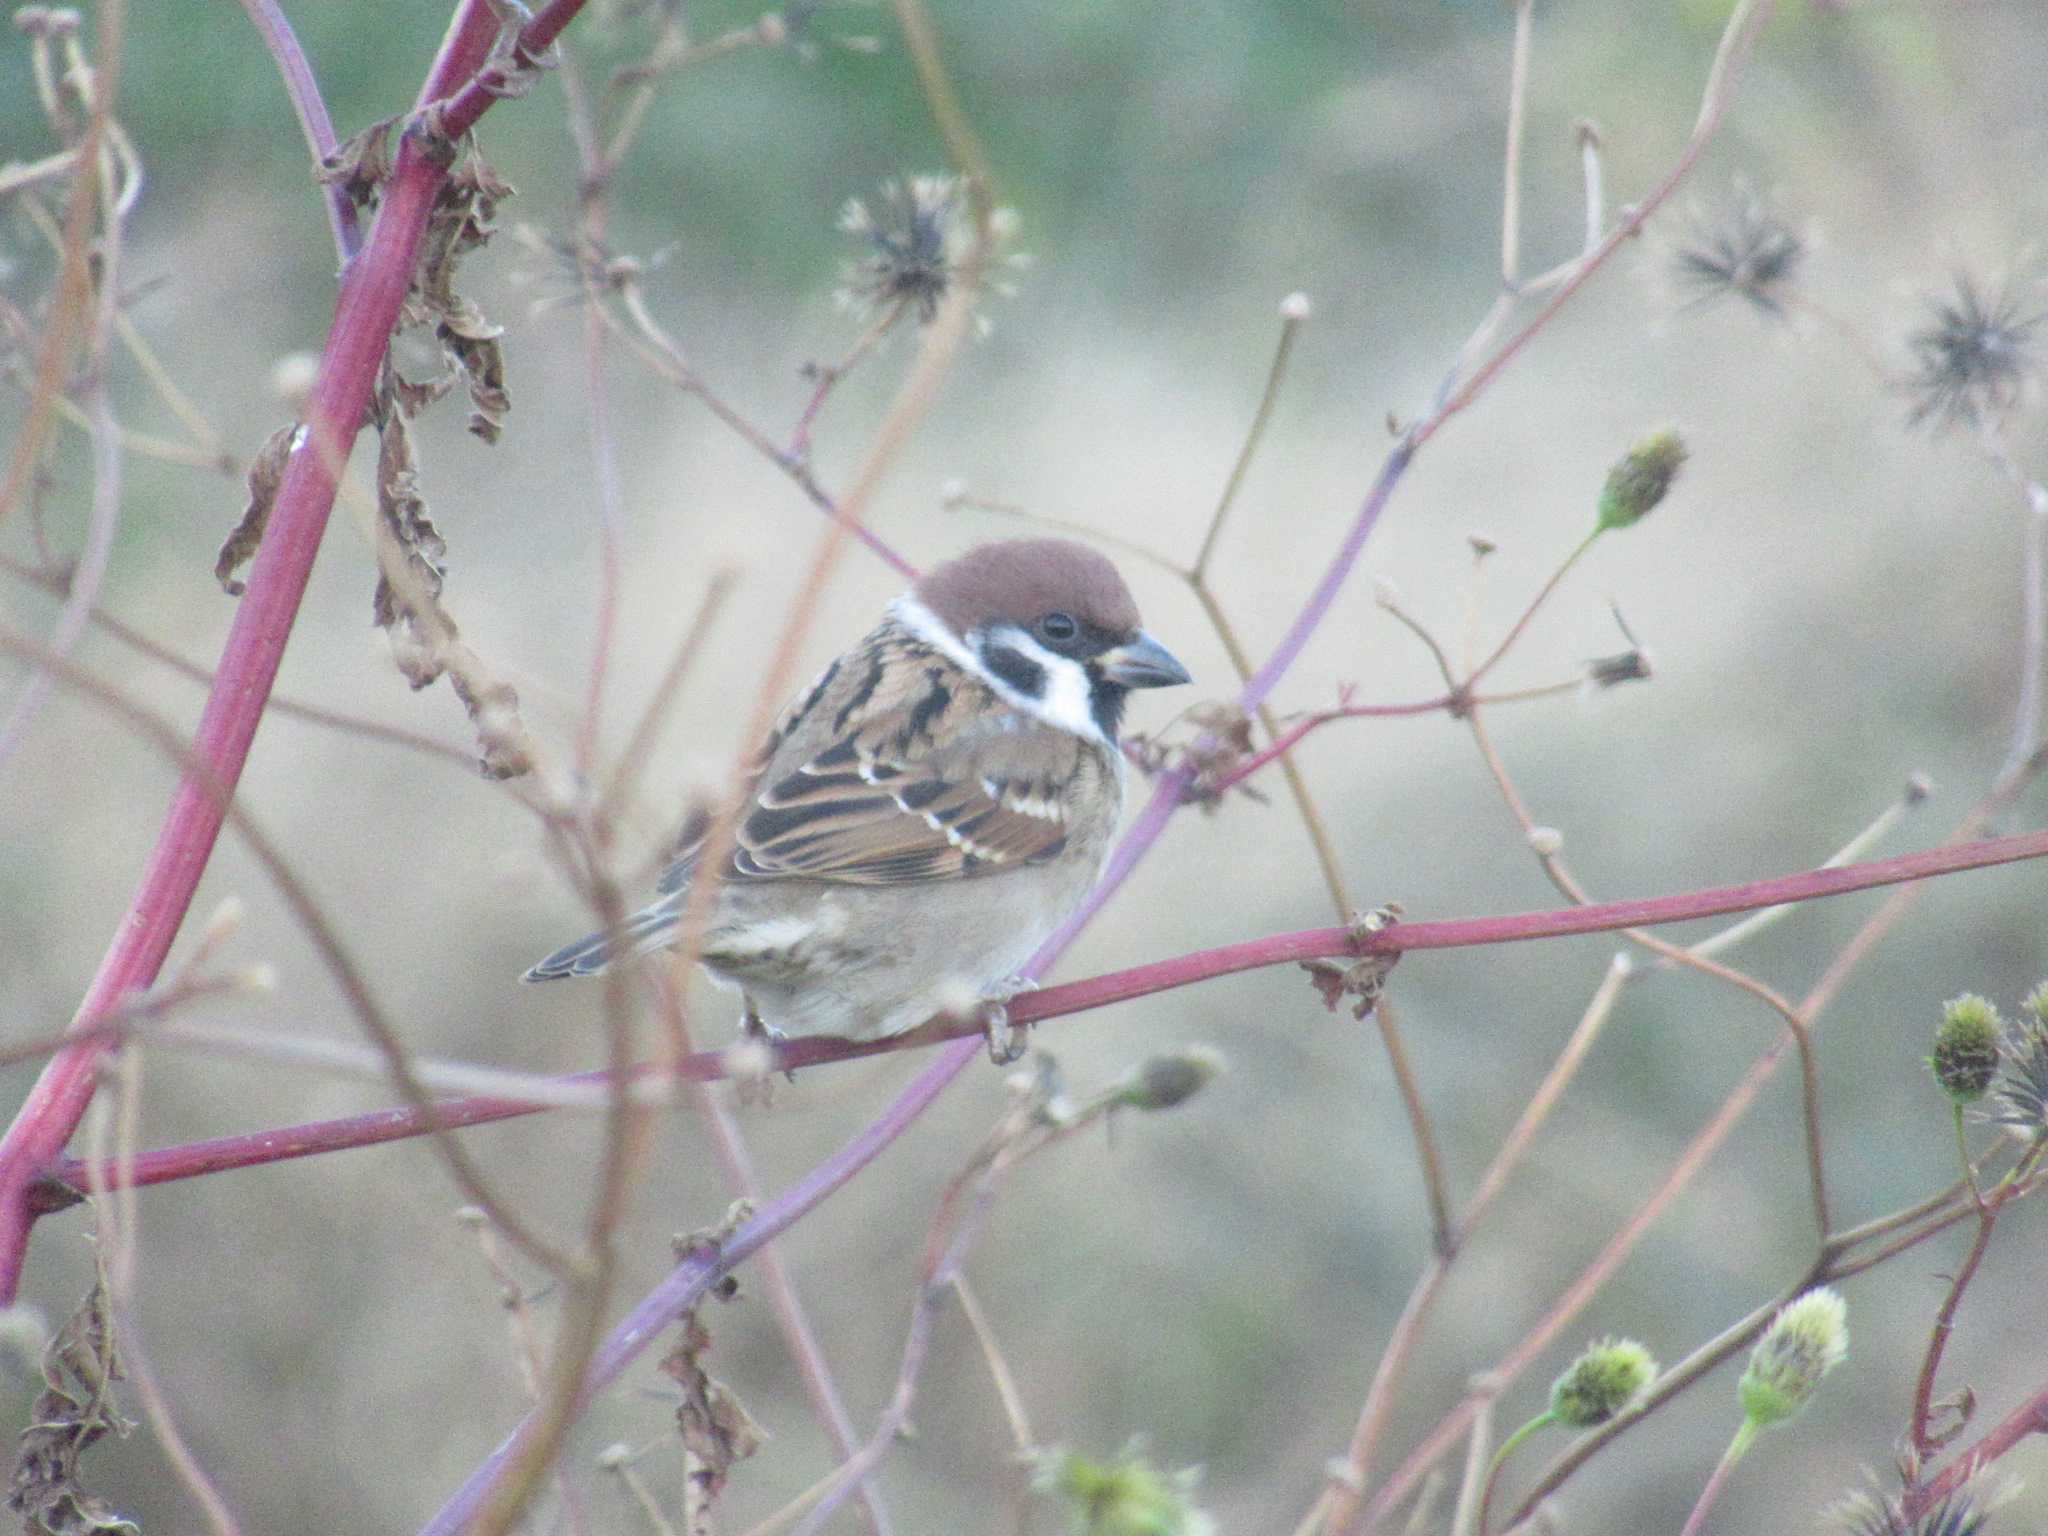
{"x": 311, "y": 111}
{"x": 312, "y": 919}
{"x": 96, "y": 187}
{"x": 117, "y": 1224}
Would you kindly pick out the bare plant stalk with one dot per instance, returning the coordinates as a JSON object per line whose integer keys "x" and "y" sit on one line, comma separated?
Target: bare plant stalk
{"x": 372, "y": 290}
{"x": 117, "y": 1225}
{"x": 95, "y": 188}
{"x": 1918, "y": 1434}
{"x": 311, "y": 110}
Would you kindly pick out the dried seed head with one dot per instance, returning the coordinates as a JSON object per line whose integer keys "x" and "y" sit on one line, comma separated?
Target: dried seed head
{"x": 1880, "y": 1512}
{"x": 1608, "y": 1377}
{"x": 1978, "y": 358}
{"x": 2019, "y": 1093}
{"x": 916, "y": 234}
{"x": 1746, "y": 251}
{"x": 1808, "y": 1338}
{"x": 915, "y": 238}
{"x": 1965, "y": 1056}
{"x": 1640, "y": 480}
{"x": 1631, "y": 666}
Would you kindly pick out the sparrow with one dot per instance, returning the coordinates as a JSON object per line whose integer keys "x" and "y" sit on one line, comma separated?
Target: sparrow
{"x": 928, "y": 811}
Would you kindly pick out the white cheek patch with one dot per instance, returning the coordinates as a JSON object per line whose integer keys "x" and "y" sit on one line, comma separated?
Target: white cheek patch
{"x": 1066, "y": 702}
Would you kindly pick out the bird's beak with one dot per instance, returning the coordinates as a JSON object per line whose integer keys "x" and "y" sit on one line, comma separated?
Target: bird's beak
{"x": 1142, "y": 662}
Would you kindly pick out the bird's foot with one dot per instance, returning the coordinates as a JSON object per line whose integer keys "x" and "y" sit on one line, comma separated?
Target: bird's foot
{"x": 1006, "y": 1041}
{"x": 754, "y": 1058}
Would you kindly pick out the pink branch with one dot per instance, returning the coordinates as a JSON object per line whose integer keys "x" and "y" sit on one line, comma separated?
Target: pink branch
{"x": 198, "y": 1158}
{"x": 366, "y": 309}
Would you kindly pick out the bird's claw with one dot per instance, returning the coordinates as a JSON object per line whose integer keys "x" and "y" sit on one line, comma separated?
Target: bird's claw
{"x": 760, "y": 1036}
{"x": 1006, "y": 1041}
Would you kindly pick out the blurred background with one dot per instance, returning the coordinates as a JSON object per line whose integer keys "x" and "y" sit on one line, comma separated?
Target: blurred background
{"x": 1831, "y": 601}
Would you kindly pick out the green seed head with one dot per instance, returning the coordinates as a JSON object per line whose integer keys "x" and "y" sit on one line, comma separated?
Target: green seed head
{"x": 1636, "y": 484}
{"x": 1124, "y": 1497}
{"x": 1168, "y": 1081}
{"x": 1808, "y": 1338}
{"x": 1601, "y": 1382}
{"x": 1965, "y": 1057}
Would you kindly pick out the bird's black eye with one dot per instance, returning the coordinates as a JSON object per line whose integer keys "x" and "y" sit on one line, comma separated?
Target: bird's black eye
{"x": 1058, "y": 628}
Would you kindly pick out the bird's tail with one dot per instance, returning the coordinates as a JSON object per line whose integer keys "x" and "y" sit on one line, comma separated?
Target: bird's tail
{"x": 648, "y": 929}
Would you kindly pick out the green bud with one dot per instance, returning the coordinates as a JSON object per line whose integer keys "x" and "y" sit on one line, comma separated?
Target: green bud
{"x": 1965, "y": 1055}
{"x": 1808, "y": 1338}
{"x": 1168, "y": 1081}
{"x": 1601, "y": 1382}
{"x": 1636, "y": 484}
{"x": 1125, "y": 1497}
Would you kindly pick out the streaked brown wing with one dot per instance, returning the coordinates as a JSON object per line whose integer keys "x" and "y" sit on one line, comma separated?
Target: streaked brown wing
{"x": 896, "y": 768}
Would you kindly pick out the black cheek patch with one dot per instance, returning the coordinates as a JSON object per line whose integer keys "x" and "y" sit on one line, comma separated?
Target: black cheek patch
{"x": 1016, "y": 669}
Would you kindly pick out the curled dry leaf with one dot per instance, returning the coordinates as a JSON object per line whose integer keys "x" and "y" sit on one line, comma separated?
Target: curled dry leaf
{"x": 75, "y": 1409}
{"x": 360, "y": 165}
{"x": 266, "y": 473}
{"x": 460, "y": 223}
{"x": 404, "y": 520}
{"x": 425, "y": 642}
{"x": 716, "y": 1428}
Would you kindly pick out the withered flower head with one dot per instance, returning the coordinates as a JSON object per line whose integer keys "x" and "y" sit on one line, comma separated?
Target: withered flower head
{"x": 916, "y": 234}
{"x": 1966, "y": 1512}
{"x": 1748, "y": 252}
{"x": 2019, "y": 1093}
{"x": 1977, "y": 359}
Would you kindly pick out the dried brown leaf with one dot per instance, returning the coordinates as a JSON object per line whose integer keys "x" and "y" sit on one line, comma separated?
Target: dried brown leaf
{"x": 75, "y": 1409}
{"x": 360, "y": 165}
{"x": 460, "y": 223}
{"x": 266, "y": 474}
{"x": 716, "y": 1428}
{"x": 1364, "y": 979}
{"x": 407, "y": 600}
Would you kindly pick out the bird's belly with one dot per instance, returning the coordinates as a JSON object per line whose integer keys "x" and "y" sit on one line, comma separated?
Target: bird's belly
{"x": 866, "y": 961}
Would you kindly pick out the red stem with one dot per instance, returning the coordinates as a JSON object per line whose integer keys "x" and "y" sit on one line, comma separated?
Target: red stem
{"x": 2030, "y": 1418}
{"x": 197, "y": 1158}
{"x": 365, "y": 312}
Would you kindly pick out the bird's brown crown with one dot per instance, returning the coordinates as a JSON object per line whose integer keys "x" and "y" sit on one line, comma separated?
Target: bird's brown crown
{"x": 1020, "y": 580}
